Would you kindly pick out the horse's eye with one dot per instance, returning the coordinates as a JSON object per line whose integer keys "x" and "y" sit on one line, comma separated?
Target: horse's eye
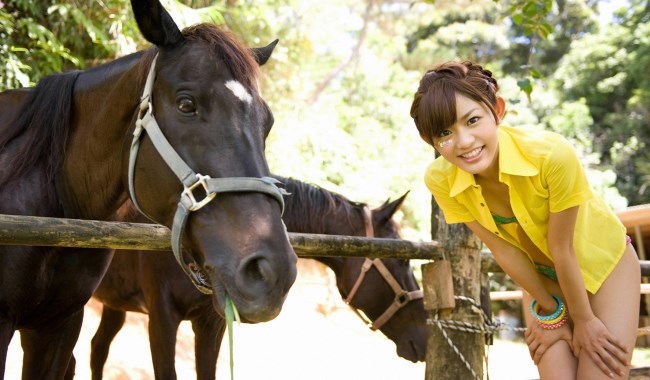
{"x": 186, "y": 105}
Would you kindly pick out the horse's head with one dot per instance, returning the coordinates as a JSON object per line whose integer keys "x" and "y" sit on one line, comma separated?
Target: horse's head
{"x": 386, "y": 290}
{"x": 197, "y": 163}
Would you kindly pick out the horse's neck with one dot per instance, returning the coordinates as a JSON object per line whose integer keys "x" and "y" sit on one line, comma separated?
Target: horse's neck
{"x": 104, "y": 107}
{"x": 312, "y": 223}
{"x": 336, "y": 264}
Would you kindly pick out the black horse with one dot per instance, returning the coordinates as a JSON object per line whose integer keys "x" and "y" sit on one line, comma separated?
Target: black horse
{"x": 384, "y": 290}
{"x": 168, "y": 127}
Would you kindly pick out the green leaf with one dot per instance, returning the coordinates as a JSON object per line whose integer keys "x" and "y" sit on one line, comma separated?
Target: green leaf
{"x": 526, "y": 86}
{"x": 548, "y": 27}
{"x": 542, "y": 32}
{"x": 530, "y": 9}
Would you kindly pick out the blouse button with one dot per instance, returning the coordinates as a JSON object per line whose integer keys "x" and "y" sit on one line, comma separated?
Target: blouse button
{"x": 482, "y": 205}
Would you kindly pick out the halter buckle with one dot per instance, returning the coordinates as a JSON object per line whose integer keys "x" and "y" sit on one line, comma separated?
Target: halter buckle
{"x": 188, "y": 192}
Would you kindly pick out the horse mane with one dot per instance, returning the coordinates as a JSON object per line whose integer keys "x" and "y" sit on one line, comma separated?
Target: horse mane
{"x": 238, "y": 57}
{"x": 311, "y": 205}
{"x": 43, "y": 124}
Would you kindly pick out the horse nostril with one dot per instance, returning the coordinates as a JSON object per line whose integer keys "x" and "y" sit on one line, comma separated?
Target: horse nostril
{"x": 255, "y": 275}
{"x": 255, "y": 271}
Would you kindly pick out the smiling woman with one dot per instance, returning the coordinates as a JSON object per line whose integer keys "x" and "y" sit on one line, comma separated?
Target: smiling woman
{"x": 526, "y": 196}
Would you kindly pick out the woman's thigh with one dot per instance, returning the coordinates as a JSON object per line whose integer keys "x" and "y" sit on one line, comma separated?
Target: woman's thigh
{"x": 616, "y": 304}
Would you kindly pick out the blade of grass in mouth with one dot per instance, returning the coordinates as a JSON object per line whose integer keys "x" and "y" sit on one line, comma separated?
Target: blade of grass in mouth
{"x": 231, "y": 315}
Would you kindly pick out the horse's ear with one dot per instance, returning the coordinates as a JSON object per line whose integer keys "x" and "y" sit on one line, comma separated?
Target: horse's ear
{"x": 155, "y": 24}
{"x": 264, "y": 53}
{"x": 388, "y": 209}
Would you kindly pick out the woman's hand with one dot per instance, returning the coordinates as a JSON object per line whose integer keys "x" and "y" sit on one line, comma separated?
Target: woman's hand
{"x": 540, "y": 340}
{"x": 604, "y": 349}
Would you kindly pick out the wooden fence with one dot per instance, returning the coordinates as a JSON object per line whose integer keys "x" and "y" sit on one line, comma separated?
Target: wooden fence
{"x": 46, "y": 231}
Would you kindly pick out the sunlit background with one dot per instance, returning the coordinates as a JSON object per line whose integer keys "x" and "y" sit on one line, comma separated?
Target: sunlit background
{"x": 341, "y": 80}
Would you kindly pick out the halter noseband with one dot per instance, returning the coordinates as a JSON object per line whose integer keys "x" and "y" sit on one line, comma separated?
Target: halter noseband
{"x": 402, "y": 297}
{"x": 190, "y": 180}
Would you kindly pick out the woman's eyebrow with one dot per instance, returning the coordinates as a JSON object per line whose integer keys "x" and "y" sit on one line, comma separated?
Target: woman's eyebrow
{"x": 466, "y": 115}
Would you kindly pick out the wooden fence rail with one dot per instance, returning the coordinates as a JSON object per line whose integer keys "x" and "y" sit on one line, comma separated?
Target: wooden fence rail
{"x": 58, "y": 232}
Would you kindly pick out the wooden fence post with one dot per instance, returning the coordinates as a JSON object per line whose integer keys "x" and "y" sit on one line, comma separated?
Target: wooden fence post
{"x": 463, "y": 250}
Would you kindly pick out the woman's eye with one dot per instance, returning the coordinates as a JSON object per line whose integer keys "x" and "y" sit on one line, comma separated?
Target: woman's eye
{"x": 186, "y": 105}
{"x": 445, "y": 133}
{"x": 472, "y": 120}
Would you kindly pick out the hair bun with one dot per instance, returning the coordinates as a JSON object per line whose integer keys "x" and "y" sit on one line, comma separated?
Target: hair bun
{"x": 481, "y": 72}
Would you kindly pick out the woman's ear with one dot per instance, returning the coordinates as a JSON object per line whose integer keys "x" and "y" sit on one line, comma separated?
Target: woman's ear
{"x": 500, "y": 108}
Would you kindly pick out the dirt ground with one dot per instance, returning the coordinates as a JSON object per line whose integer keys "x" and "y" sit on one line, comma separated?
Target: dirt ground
{"x": 315, "y": 337}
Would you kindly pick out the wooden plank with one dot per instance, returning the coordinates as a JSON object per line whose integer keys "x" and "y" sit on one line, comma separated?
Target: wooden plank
{"x": 439, "y": 291}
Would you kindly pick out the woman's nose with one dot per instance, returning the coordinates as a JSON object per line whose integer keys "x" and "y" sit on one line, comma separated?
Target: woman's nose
{"x": 464, "y": 138}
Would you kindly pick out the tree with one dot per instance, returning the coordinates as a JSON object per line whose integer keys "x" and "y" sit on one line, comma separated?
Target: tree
{"x": 608, "y": 69}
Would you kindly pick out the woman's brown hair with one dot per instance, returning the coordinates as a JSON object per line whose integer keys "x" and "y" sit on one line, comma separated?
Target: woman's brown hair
{"x": 434, "y": 103}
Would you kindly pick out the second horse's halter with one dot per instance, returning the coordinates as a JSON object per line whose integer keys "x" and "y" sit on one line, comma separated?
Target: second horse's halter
{"x": 402, "y": 297}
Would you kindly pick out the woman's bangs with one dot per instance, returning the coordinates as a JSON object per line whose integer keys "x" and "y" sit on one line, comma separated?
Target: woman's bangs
{"x": 439, "y": 104}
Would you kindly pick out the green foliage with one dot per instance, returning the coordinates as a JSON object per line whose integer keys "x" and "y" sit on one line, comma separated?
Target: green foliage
{"x": 609, "y": 70}
{"x": 341, "y": 80}
{"x": 532, "y": 16}
{"x": 41, "y": 38}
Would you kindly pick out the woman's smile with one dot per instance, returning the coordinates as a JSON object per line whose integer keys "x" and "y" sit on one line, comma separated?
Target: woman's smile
{"x": 472, "y": 155}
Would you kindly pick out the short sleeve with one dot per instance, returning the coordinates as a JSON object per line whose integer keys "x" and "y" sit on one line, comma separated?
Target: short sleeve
{"x": 438, "y": 185}
{"x": 566, "y": 179}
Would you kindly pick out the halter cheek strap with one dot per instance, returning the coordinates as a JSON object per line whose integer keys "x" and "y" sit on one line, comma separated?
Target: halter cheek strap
{"x": 190, "y": 180}
{"x": 402, "y": 297}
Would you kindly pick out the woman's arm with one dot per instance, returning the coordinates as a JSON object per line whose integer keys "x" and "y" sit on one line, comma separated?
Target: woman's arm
{"x": 561, "y": 226}
{"x": 516, "y": 264}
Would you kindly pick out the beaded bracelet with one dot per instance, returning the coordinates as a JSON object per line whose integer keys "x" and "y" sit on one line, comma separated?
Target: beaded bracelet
{"x": 534, "y": 312}
{"x": 553, "y": 321}
{"x": 555, "y": 325}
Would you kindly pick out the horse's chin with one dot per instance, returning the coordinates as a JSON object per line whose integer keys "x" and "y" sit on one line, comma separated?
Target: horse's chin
{"x": 409, "y": 351}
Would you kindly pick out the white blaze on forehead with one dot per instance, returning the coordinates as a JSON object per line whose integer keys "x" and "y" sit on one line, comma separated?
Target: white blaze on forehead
{"x": 239, "y": 91}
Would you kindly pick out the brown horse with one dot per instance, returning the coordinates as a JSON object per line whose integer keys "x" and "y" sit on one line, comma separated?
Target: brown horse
{"x": 150, "y": 282}
{"x": 79, "y": 144}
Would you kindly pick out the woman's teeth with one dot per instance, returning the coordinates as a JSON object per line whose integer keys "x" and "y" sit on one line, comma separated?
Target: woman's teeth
{"x": 473, "y": 153}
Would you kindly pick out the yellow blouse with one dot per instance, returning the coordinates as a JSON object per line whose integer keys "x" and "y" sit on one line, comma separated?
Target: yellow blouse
{"x": 544, "y": 175}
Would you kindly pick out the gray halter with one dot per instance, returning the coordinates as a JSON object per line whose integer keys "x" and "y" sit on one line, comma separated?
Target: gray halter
{"x": 190, "y": 180}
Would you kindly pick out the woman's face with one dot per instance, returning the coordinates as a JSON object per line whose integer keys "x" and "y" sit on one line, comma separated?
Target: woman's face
{"x": 472, "y": 142}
